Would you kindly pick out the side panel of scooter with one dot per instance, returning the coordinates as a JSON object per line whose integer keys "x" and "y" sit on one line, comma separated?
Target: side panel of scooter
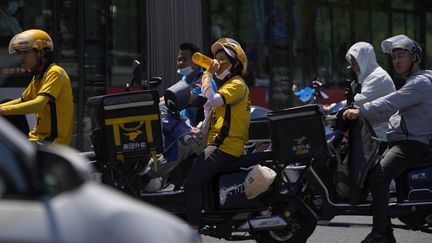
{"x": 421, "y": 178}
{"x": 417, "y": 183}
{"x": 232, "y": 191}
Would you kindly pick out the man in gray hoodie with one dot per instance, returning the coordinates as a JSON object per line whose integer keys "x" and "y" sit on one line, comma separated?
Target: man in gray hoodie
{"x": 409, "y": 134}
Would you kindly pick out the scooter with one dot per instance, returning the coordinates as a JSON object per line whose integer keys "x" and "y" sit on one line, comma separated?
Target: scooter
{"x": 126, "y": 134}
{"x": 315, "y": 173}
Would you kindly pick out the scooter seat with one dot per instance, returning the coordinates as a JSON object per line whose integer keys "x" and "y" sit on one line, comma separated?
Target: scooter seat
{"x": 249, "y": 160}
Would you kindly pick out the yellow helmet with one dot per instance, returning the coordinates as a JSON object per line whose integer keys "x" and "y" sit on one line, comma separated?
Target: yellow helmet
{"x": 229, "y": 46}
{"x": 31, "y": 39}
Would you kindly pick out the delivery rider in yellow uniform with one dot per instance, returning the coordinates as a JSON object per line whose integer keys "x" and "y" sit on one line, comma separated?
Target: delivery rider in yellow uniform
{"x": 49, "y": 94}
{"x": 229, "y": 112}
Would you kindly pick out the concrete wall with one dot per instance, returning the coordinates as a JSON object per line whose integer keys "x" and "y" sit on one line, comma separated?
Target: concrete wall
{"x": 169, "y": 23}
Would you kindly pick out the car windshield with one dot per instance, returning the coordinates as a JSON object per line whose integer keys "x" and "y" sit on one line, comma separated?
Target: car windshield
{"x": 11, "y": 178}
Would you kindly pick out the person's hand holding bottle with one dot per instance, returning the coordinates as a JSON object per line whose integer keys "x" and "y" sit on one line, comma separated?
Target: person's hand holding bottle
{"x": 214, "y": 66}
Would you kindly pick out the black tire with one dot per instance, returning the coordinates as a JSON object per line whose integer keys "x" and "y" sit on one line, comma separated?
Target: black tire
{"x": 415, "y": 220}
{"x": 299, "y": 229}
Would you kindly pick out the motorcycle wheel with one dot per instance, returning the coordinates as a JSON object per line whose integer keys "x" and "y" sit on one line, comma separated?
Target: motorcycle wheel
{"x": 298, "y": 231}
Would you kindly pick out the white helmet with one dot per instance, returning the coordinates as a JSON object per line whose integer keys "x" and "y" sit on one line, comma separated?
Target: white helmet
{"x": 402, "y": 42}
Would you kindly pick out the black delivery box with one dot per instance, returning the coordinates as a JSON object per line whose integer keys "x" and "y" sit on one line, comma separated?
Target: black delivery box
{"x": 297, "y": 134}
{"x": 125, "y": 125}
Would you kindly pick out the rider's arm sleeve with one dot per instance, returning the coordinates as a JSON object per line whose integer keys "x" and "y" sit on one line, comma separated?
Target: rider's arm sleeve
{"x": 373, "y": 87}
{"x": 206, "y": 87}
{"x": 31, "y": 106}
{"x": 368, "y": 90}
{"x": 410, "y": 94}
{"x": 11, "y": 102}
{"x": 53, "y": 83}
{"x": 213, "y": 99}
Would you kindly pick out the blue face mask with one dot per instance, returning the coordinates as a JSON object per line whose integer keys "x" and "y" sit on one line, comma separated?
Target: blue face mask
{"x": 185, "y": 71}
{"x": 12, "y": 8}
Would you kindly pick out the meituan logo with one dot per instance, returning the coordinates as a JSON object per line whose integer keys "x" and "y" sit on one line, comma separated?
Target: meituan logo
{"x": 299, "y": 140}
{"x": 133, "y": 135}
{"x": 300, "y": 148}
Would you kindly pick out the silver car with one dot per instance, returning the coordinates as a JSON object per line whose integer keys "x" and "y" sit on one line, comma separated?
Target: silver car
{"x": 46, "y": 196}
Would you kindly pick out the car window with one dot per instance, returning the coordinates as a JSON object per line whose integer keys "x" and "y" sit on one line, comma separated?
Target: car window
{"x": 12, "y": 180}
{"x": 57, "y": 173}
{"x": 3, "y": 186}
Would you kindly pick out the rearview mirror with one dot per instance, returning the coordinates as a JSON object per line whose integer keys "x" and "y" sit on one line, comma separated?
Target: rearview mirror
{"x": 136, "y": 72}
{"x": 153, "y": 83}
